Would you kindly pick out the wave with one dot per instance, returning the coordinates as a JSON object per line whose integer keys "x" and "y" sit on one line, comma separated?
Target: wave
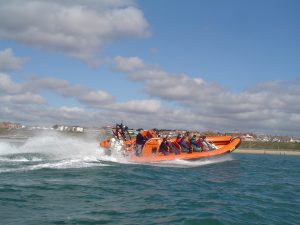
{"x": 55, "y": 146}
{"x": 20, "y": 159}
{"x": 64, "y": 164}
{"x": 49, "y": 150}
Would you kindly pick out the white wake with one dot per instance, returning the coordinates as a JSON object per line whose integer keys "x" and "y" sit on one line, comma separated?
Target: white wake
{"x": 49, "y": 150}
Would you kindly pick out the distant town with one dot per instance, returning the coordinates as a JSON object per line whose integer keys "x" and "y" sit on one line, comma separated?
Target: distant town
{"x": 246, "y": 136}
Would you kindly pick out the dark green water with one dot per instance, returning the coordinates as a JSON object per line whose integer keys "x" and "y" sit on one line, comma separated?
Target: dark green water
{"x": 45, "y": 186}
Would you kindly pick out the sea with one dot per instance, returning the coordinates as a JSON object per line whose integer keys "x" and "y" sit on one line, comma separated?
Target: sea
{"x": 54, "y": 178}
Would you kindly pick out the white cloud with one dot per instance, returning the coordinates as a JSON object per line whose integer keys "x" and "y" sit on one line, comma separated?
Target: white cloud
{"x": 78, "y": 28}
{"x": 27, "y": 91}
{"x": 13, "y": 93}
{"x": 7, "y": 86}
{"x": 138, "y": 106}
{"x": 8, "y": 61}
{"x": 90, "y": 98}
{"x": 60, "y": 86}
{"x": 137, "y": 70}
{"x": 273, "y": 106}
{"x": 71, "y": 114}
{"x": 96, "y": 98}
{"x": 162, "y": 84}
{"x": 129, "y": 64}
{"x": 176, "y": 101}
{"x": 71, "y": 109}
{"x": 26, "y": 98}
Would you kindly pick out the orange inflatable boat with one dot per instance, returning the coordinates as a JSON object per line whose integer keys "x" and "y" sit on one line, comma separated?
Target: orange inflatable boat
{"x": 150, "y": 150}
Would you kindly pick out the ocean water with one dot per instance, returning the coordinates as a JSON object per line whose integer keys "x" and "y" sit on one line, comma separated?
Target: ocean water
{"x": 57, "y": 179}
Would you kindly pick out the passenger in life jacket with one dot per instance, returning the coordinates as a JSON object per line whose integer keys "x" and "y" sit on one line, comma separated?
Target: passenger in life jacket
{"x": 140, "y": 141}
{"x": 172, "y": 148}
{"x": 163, "y": 148}
{"x": 184, "y": 145}
{"x": 178, "y": 138}
{"x": 194, "y": 144}
{"x": 208, "y": 146}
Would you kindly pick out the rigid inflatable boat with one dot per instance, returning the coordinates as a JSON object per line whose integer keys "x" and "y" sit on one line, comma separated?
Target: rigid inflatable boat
{"x": 150, "y": 150}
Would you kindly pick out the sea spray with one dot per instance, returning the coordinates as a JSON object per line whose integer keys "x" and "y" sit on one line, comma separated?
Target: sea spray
{"x": 49, "y": 150}
{"x": 115, "y": 152}
{"x": 54, "y": 145}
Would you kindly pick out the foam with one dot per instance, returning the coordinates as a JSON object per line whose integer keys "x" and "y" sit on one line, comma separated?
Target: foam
{"x": 20, "y": 159}
{"x": 55, "y": 146}
{"x": 49, "y": 150}
{"x": 179, "y": 163}
{"x": 64, "y": 164}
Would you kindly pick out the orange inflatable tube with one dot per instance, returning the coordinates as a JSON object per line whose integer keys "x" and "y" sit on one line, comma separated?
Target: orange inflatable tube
{"x": 150, "y": 151}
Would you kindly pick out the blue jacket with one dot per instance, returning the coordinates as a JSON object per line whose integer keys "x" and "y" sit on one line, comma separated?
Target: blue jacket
{"x": 140, "y": 140}
{"x": 194, "y": 142}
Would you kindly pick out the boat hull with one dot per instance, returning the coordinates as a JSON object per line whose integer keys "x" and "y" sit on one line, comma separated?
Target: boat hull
{"x": 231, "y": 145}
{"x": 150, "y": 152}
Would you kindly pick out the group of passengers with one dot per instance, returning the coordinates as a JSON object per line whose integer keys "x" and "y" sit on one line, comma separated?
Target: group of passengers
{"x": 185, "y": 143}
{"x": 191, "y": 144}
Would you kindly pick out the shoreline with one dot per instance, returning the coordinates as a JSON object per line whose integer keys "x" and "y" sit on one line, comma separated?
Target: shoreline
{"x": 267, "y": 151}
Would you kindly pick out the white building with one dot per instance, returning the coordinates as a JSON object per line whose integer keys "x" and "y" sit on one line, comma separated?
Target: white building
{"x": 294, "y": 140}
{"x": 248, "y": 137}
{"x": 70, "y": 128}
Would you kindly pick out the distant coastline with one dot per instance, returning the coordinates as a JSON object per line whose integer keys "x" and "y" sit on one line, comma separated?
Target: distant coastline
{"x": 268, "y": 151}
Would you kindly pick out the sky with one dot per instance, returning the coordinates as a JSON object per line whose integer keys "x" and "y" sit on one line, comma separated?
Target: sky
{"x": 199, "y": 64}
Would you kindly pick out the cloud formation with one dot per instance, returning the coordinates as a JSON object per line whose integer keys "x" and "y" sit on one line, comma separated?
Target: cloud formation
{"x": 7, "y": 86}
{"x": 272, "y": 105}
{"x": 13, "y": 93}
{"x": 78, "y": 28}
{"x": 96, "y": 105}
{"x": 175, "y": 101}
{"x": 9, "y": 62}
{"x": 138, "y": 106}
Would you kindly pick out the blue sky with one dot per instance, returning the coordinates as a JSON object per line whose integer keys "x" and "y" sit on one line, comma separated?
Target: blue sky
{"x": 221, "y": 65}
